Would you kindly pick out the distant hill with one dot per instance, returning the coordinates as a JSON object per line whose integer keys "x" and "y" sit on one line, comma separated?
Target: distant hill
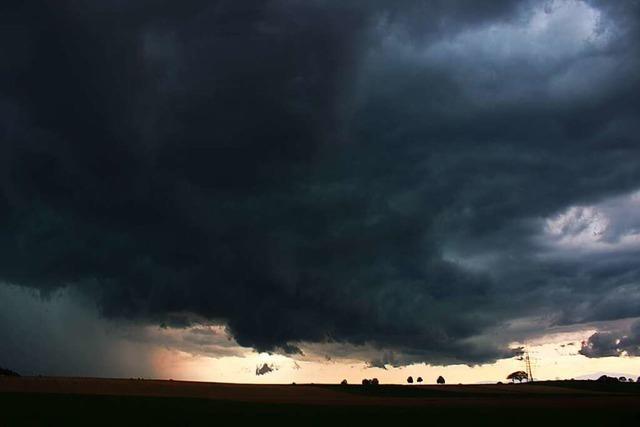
{"x": 8, "y": 373}
{"x": 596, "y": 375}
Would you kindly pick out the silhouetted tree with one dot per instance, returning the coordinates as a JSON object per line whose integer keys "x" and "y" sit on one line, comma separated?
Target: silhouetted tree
{"x": 343, "y": 382}
{"x": 374, "y": 381}
{"x": 518, "y": 375}
{"x": 638, "y": 380}
{"x": 440, "y": 380}
{"x": 608, "y": 379}
{"x": 410, "y": 380}
{"x": 419, "y": 379}
{"x": 366, "y": 382}
{"x": 622, "y": 379}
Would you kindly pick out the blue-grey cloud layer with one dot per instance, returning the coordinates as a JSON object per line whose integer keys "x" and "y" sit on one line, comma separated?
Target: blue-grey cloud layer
{"x": 307, "y": 171}
{"x": 613, "y": 343}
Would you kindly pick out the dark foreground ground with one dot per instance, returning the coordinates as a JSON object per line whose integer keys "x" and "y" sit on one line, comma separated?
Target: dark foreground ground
{"x": 84, "y": 401}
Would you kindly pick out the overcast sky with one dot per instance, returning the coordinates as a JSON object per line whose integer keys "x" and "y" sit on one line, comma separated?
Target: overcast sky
{"x": 384, "y": 183}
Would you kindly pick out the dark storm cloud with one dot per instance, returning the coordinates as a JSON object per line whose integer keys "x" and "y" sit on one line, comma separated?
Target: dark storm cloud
{"x": 616, "y": 343}
{"x": 264, "y": 369}
{"x": 359, "y": 172}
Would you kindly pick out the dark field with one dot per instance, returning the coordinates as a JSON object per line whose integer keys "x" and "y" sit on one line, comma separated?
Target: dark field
{"x": 82, "y": 401}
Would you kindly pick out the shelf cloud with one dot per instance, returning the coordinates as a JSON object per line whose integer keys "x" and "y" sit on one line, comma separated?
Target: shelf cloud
{"x": 412, "y": 176}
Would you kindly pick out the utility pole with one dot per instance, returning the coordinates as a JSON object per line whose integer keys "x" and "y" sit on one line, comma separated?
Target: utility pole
{"x": 527, "y": 362}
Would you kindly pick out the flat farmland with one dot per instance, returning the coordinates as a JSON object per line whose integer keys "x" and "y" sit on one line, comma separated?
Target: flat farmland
{"x": 94, "y": 401}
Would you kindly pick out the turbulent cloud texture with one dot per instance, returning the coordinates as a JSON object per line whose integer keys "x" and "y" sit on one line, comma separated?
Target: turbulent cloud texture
{"x": 416, "y": 176}
{"x": 616, "y": 343}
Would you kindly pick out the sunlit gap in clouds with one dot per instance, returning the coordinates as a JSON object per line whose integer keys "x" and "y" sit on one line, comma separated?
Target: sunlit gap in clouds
{"x": 555, "y": 356}
{"x": 109, "y": 348}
